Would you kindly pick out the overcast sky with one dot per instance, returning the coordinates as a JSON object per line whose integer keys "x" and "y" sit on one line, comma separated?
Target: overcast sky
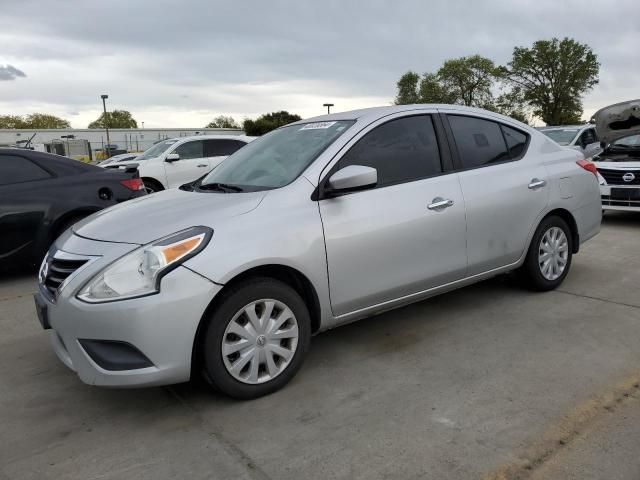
{"x": 180, "y": 63}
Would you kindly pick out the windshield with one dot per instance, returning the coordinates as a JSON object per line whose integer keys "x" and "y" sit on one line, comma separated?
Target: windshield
{"x": 277, "y": 158}
{"x": 157, "y": 150}
{"x": 562, "y": 136}
{"x": 632, "y": 141}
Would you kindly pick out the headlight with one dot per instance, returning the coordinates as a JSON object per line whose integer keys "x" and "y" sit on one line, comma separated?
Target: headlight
{"x": 138, "y": 273}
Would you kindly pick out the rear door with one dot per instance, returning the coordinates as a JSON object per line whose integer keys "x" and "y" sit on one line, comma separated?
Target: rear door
{"x": 191, "y": 165}
{"x": 216, "y": 150}
{"x": 505, "y": 190}
{"x": 405, "y": 235}
{"x": 23, "y": 206}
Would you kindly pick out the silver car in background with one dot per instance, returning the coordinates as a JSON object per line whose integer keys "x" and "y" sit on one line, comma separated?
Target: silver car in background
{"x": 582, "y": 138}
{"x": 314, "y": 225}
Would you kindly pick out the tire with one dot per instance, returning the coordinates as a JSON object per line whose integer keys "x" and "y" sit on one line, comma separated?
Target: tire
{"x": 151, "y": 185}
{"x": 245, "y": 373}
{"x": 534, "y": 273}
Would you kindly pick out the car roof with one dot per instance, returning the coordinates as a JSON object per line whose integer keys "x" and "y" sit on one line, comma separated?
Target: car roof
{"x": 374, "y": 113}
{"x": 57, "y": 163}
{"x": 244, "y": 138}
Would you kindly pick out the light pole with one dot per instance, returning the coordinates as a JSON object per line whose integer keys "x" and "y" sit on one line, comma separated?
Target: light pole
{"x": 328, "y": 105}
{"x": 106, "y": 123}
{"x": 142, "y": 124}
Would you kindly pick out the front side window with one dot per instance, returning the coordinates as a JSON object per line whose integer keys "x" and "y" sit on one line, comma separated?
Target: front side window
{"x": 222, "y": 147}
{"x": 190, "y": 150}
{"x": 401, "y": 150}
{"x": 277, "y": 158}
{"x": 588, "y": 137}
{"x": 15, "y": 169}
{"x": 480, "y": 142}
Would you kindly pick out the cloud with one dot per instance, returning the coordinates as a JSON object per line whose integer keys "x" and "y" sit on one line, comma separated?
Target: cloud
{"x": 248, "y": 58}
{"x": 9, "y": 72}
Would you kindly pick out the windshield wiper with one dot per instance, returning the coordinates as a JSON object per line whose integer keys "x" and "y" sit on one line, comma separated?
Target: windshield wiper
{"x": 221, "y": 187}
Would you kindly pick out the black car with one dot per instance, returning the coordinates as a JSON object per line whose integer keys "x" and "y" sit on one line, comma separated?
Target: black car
{"x": 42, "y": 194}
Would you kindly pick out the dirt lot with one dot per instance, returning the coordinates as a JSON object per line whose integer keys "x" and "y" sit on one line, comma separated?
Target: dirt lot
{"x": 487, "y": 382}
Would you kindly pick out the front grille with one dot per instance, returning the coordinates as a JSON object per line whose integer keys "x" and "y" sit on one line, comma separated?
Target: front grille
{"x": 608, "y": 200}
{"x": 614, "y": 177}
{"x": 58, "y": 270}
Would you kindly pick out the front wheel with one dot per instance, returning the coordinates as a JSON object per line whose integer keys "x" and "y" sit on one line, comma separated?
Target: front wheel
{"x": 549, "y": 257}
{"x": 256, "y": 338}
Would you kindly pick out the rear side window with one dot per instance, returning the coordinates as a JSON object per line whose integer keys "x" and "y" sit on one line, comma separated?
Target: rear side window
{"x": 190, "y": 150}
{"x": 516, "y": 141}
{"x": 480, "y": 142}
{"x": 15, "y": 169}
{"x": 401, "y": 150}
{"x": 222, "y": 147}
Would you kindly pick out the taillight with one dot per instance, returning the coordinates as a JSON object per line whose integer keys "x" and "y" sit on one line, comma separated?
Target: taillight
{"x": 588, "y": 166}
{"x": 134, "y": 184}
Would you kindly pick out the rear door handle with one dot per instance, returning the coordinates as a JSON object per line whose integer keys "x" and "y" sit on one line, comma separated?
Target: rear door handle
{"x": 440, "y": 203}
{"x": 202, "y": 165}
{"x": 537, "y": 183}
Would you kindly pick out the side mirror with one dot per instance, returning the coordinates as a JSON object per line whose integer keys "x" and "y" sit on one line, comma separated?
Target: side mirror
{"x": 351, "y": 179}
{"x": 172, "y": 157}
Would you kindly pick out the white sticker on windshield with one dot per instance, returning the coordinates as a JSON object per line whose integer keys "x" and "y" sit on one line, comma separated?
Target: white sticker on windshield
{"x": 317, "y": 125}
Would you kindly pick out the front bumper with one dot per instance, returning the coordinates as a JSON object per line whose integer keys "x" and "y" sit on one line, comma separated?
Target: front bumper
{"x": 160, "y": 327}
{"x": 620, "y": 197}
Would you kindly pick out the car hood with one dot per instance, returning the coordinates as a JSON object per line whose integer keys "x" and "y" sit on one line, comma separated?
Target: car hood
{"x": 618, "y": 121}
{"x": 150, "y": 217}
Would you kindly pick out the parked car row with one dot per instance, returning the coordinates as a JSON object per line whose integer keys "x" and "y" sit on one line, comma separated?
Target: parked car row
{"x": 42, "y": 194}
{"x": 311, "y": 226}
{"x": 176, "y": 161}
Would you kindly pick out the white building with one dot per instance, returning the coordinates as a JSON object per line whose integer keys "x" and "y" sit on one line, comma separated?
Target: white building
{"x": 129, "y": 139}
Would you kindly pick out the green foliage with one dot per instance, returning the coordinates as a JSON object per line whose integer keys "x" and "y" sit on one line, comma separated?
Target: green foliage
{"x": 468, "y": 80}
{"x": 33, "y": 120}
{"x": 408, "y": 89}
{"x": 115, "y": 119}
{"x": 222, "y": 121}
{"x": 267, "y": 122}
{"x": 462, "y": 81}
{"x": 553, "y": 75}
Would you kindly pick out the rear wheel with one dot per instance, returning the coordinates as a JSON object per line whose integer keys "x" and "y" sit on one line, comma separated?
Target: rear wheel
{"x": 256, "y": 338}
{"x": 549, "y": 256}
{"x": 151, "y": 185}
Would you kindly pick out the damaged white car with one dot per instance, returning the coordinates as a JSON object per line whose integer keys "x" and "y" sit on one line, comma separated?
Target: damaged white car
{"x": 618, "y": 127}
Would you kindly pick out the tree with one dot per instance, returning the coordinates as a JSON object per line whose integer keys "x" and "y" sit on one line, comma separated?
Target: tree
{"x": 11, "y": 121}
{"x": 42, "y": 120}
{"x": 553, "y": 75}
{"x": 462, "y": 81}
{"x": 469, "y": 80}
{"x": 408, "y": 89}
{"x": 116, "y": 119}
{"x": 267, "y": 122}
{"x": 33, "y": 120}
{"x": 223, "y": 122}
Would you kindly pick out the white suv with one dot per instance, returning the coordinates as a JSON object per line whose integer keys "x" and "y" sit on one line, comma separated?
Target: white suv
{"x": 176, "y": 161}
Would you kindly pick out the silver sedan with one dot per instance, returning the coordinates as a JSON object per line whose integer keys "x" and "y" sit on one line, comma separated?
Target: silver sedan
{"x": 314, "y": 225}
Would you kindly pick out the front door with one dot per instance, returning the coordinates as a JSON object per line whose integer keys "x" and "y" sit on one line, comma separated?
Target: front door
{"x": 405, "y": 235}
{"x": 191, "y": 165}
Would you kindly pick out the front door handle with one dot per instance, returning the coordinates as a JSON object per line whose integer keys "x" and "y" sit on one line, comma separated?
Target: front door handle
{"x": 536, "y": 183}
{"x": 440, "y": 203}
{"x": 202, "y": 165}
